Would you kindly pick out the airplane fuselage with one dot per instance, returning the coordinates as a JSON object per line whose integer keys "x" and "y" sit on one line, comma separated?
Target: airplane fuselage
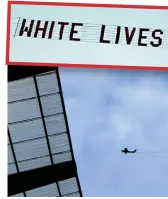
{"x": 126, "y": 151}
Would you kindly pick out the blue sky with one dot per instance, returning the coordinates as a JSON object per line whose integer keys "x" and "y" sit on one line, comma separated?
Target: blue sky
{"x": 108, "y": 110}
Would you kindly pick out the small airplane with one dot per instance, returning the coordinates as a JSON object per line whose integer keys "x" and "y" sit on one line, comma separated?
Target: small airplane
{"x": 127, "y": 151}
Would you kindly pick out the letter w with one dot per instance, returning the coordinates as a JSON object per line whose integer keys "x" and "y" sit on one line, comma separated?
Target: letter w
{"x": 25, "y": 28}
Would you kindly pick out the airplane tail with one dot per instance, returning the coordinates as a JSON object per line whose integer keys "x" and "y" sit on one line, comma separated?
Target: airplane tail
{"x": 123, "y": 151}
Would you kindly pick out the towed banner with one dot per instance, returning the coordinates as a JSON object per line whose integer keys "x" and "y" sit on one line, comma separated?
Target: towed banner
{"x": 107, "y": 36}
{"x": 98, "y": 33}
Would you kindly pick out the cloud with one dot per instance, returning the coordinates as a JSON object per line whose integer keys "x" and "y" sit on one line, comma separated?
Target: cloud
{"x": 108, "y": 110}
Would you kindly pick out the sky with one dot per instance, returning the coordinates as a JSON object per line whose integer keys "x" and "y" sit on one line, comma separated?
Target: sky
{"x": 109, "y": 110}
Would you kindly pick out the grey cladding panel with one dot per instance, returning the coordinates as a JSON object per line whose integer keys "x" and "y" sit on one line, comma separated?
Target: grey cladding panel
{"x": 26, "y": 130}
{"x": 12, "y": 168}
{"x": 23, "y": 110}
{"x": 21, "y": 89}
{"x": 34, "y": 163}
{"x": 51, "y": 104}
{"x": 62, "y": 157}
{"x": 45, "y": 191}
{"x": 55, "y": 124}
{"x": 59, "y": 143}
{"x": 73, "y": 195}
{"x": 31, "y": 149}
{"x": 47, "y": 83}
{"x": 68, "y": 186}
{"x": 10, "y": 155}
{"x": 18, "y": 195}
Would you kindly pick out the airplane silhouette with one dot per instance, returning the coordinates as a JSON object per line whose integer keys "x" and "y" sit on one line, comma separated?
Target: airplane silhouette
{"x": 127, "y": 151}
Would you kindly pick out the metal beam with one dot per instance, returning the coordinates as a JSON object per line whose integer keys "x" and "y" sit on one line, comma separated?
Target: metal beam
{"x": 44, "y": 125}
{"x": 67, "y": 126}
{"x": 20, "y": 72}
{"x": 14, "y": 156}
{"x": 35, "y": 178}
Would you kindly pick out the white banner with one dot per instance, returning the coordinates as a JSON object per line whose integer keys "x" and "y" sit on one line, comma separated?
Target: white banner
{"x": 80, "y": 34}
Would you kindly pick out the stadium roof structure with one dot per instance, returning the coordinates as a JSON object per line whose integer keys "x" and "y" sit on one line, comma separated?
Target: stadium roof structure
{"x": 41, "y": 162}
